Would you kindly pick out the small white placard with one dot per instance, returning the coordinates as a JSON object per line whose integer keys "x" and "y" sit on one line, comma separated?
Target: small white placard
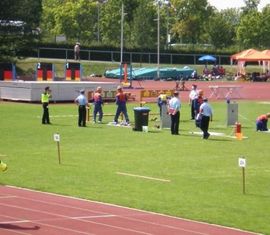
{"x": 56, "y": 137}
{"x": 242, "y": 162}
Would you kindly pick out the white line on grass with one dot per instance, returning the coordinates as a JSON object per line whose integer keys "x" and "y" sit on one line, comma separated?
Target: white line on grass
{"x": 143, "y": 177}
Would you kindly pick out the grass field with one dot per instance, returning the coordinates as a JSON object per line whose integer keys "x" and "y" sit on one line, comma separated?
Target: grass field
{"x": 205, "y": 180}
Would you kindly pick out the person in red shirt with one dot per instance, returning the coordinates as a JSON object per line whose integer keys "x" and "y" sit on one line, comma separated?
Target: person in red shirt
{"x": 98, "y": 102}
{"x": 121, "y": 100}
{"x": 261, "y": 122}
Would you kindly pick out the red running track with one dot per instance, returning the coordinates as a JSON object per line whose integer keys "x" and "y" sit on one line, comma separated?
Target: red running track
{"x": 24, "y": 211}
{"x": 259, "y": 91}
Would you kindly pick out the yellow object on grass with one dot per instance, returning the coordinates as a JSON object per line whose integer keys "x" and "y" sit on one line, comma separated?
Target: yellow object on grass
{"x": 3, "y": 166}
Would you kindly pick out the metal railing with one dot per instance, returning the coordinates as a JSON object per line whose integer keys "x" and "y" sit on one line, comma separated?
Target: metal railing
{"x": 131, "y": 57}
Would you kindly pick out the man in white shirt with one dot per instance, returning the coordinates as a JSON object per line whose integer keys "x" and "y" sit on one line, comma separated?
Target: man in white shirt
{"x": 193, "y": 95}
{"x": 207, "y": 115}
{"x": 82, "y": 102}
{"x": 174, "y": 111}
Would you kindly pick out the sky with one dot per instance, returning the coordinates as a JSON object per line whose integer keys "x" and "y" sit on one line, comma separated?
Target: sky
{"x": 223, "y": 4}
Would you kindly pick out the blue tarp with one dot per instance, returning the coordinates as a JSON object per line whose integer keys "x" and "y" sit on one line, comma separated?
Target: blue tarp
{"x": 151, "y": 73}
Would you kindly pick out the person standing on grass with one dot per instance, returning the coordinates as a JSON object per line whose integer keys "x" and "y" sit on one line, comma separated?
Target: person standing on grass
{"x": 98, "y": 102}
{"x": 193, "y": 95}
{"x": 45, "y": 97}
{"x": 121, "y": 100}
{"x": 174, "y": 112}
{"x": 162, "y": 100}
{"x": 206, "y": 113}
{"x": 82, "y": 102}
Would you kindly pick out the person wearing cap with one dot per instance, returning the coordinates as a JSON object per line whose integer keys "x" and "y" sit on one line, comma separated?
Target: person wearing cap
{"x": 121, "y": 100}
{"x": 82, "y": 102}
{"x": 98, "y": 102}
{"x": 193, "y": 95}
{"x": 198, "y": 101}
{"x": 162, "y": 100}
{"x": 77, "y": 51}
{"x": 45, "y": 97}
{"x": 206, "y": 113}
{"x": 261, "y": 122}
{"x": 174, "y": 112}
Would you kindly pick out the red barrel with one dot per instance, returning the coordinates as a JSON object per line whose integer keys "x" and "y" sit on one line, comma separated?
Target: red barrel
{"x": 238, "y": 127}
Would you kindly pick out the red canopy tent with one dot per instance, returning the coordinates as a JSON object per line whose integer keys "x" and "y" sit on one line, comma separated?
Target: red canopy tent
{"x": 247, "y": 56}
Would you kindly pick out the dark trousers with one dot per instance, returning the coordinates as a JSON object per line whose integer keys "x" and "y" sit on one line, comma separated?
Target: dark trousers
{"x": 261, "y": 125}
{"x": 98, "y": 110}
{"x": 121, "y": 109}
{"x": 175, "y": 123}
{"x": 82, "y": 115}
{"x": 204, "y": 126}
{"x": 192, "y": 109}
{"x": 45, "y": 116}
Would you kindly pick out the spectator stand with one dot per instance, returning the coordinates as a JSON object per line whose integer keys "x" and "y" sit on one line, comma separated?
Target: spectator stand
{"x": 7, "y": 72}
{"x": 45, "y": 72}
{"x": 73, "y": 71}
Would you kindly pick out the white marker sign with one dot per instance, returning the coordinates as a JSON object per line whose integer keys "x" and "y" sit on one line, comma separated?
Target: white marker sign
{"x": 56, "y": 137}
{"x": 242, "y": 162}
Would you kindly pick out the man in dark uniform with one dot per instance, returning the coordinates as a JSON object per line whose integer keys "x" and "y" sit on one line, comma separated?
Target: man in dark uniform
{"x": 82, "y": 103}
{"x": 45, "y": 103}
{"x": 207, "y": 116}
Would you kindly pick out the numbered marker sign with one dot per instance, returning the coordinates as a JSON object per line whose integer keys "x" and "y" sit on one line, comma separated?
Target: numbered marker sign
{"x": 242, "y": 162}
{"x": 56, "y": 137}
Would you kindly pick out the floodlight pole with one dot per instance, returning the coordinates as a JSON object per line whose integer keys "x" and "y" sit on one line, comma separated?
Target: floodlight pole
{"x": 98, "y": 33}
{"x": 158, "y": 40}
{"x": 122, "y": 33}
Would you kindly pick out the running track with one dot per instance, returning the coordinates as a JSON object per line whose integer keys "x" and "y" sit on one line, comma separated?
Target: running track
{"x": 24, "y": 211}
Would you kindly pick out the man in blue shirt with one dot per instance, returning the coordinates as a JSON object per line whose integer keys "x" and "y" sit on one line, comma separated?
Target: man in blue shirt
{"x": 82, "y": 102}
{"x": 207, "y": 115}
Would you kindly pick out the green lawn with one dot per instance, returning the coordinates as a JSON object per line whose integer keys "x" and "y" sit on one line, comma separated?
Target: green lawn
{"x": 205, "y": 177}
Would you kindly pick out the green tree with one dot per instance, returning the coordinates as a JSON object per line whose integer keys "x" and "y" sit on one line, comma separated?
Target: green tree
{"x": 76, "y": 19}
{"x": 144, "y": 28}
{"x": 191, "y": 19}
{"x": 265, "y": 27}
{"x": 250, "y": 5}
{"x": 19, "y": 22}
{"x": 249, "y": 33}
{"x": 222, "y": 27}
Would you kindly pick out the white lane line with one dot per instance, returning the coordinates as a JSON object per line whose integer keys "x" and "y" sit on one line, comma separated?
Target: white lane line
{"x": 131, "y": 209}
{"x": 92, "y": 217}
{"x": 143, "y": 177}
{"x": 9, "y": 196}
{"x": 15, "y": 222}
{"x": 70, "y": 218}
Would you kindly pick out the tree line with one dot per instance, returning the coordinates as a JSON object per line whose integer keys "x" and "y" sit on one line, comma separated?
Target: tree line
{"x": 98, "y": 22}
